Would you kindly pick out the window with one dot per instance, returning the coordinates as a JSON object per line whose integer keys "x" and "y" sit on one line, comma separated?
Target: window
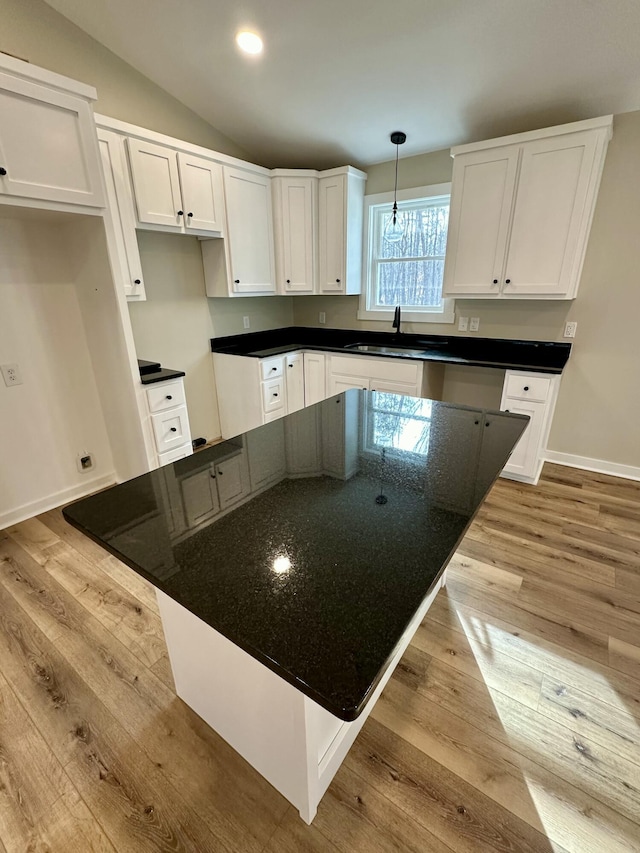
{"x": 408, "y": 273}
{"x": 398, "y": 425}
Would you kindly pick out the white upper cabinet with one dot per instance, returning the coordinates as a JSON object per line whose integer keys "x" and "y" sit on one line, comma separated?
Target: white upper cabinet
{"x": 175, "y": 191}
{"x": 340, "y": 222}
{"x": 243, "y": 264}
{"x": 48, "y": 145}
{"x": 521, "y": 211}
{"x": 295, "y": 227}
{"x": 120, "y": 216}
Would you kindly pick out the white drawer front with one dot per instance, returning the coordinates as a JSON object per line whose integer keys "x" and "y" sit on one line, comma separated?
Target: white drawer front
{"x": 527, "y": 386}
{"x": 173, "y": 455}
{"x": 272, "y": 395}
{"x": 271, "y": 367}
{"x": 395, "y": 369}
{"x": 171, "y": 429}
{"x": 165, "y": 395}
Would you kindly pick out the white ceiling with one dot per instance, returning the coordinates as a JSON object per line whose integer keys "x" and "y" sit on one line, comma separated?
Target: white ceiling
{"x": 337, "y": 76}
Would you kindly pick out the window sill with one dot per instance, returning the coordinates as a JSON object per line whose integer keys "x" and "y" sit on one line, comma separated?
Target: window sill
{"x": 447, "y": 315}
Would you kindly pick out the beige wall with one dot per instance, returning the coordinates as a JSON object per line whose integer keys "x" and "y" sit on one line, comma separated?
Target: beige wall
{"x": 177, "y": 321}
{"x": 598, "y": 409}
{"x": 31, "y": 30}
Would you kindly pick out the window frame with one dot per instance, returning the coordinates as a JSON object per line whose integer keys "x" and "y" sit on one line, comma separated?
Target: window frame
{"x": 367, "y": 309}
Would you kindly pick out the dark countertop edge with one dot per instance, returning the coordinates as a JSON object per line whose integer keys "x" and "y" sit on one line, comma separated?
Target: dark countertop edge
{"x": 161, "y": 375}
{"x": 292, "y": 339}
{"x": 347, "y": 714}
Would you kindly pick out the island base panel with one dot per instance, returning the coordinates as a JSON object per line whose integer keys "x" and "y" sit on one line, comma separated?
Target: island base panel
{"x": 293, "y": 742}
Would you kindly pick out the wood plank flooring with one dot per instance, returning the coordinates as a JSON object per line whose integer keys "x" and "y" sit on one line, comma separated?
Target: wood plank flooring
{"x": 511, "y": 724}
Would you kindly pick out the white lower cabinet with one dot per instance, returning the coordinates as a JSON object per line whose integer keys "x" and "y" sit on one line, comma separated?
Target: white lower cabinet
{"x": 294, "y": 380}
{"x": 169, "y": 420}
{"x": 266, "y": 452}
{"x": 534, "y": 395}
{"x": 210, "y": 490}
{"x": 375, "y": 374}
{"x": 315, "y": 380}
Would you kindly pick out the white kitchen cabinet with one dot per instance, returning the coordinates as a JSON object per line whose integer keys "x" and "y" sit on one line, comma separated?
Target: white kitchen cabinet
{"x": 375, "y": 374}
{"x": 302, "y": 448}
{"x": 340, "y": 434}
{"x": 48, "y": 146}
{"x": 232, "y": 478}
{"x": 200, "y": 496}
{"x": 294, "y": 379}
{"x": 266, "y": 455}
{"x": 169, "y": 420}
{"x": 295, "y": 206}
{"x": 534, "y": 395}
{"x": 243, "y": 263}
{"x": 340, "y": 223}
{"x": 521, "y": 211}
{"x": 315, "y": 382}
{"x": 127, "y": 267}
{"x": 175, "y": 191}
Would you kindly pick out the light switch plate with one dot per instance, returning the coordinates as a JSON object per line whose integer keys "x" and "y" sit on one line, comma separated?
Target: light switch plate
{"x": 246, "y": 322}
{"x": 474, "y": 324}
{"x": 463, "y": 324}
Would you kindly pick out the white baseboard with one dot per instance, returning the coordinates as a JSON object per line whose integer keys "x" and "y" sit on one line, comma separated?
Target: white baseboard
{"x": 599, "y": 466}
{"x": 25, "y": 511}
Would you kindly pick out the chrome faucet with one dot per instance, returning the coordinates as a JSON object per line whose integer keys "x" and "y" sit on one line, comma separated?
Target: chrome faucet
{"x": 396, "y": 320}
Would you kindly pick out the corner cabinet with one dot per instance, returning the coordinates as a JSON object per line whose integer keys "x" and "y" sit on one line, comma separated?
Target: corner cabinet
{"x": 340, "y": 224}
{"x": 48, "y": 146}
{"x": 521, "y": 211}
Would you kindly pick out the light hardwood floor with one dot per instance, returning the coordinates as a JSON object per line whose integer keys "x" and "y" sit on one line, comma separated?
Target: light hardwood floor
{"x": 512, "y": 722}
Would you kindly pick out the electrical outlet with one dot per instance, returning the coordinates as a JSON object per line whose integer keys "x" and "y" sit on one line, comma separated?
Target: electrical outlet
{"x": 322, "y": 317}
{"x": 246, "y": 322}
{"x": 570, "y": 329}
{"x": 463, "y": 324}
{"x": 474, "y": 324}
{"x": 85, "y": 461}
{"x": 11, "y": 374}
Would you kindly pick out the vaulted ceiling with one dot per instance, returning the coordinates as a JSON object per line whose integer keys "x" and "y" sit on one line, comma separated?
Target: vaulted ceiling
{"x": 337, "y": 76}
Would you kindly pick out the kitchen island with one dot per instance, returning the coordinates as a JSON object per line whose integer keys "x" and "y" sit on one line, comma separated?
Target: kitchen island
{"x": 289, "y": 590}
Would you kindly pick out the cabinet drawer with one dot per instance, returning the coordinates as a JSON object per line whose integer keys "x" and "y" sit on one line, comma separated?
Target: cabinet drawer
{"x": 171, "y": 429}
{"x": 272, "y": 395}
{"x": 271, "y": 367}
{"x": 523, "y": 386}
{"x": 165, "y": 395}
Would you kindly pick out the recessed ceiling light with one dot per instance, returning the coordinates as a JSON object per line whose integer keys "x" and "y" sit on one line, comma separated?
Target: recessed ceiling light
{"x": 249, "y": 42}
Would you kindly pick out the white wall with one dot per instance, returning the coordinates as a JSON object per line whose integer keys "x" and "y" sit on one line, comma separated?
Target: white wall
{"x": 56, "y": 413}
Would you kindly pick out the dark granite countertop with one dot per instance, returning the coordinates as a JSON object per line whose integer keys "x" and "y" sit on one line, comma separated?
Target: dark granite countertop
{"x": 539, "y": 356}
{"x": 319, "y": 575}
{"x": 152, "y": 371}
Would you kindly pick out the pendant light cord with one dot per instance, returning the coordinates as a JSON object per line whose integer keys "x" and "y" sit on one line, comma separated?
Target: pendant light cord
{"x": 395, "y": 188}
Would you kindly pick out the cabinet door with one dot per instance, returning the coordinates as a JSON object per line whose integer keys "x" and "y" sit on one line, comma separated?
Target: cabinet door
{"x": 394, "y": 387}
{"x": 332, "y": 195}
{"x": 524, "y": 461}
{"x": 265, "y": 451}
{"x": 294, "y": 227}
{"x": 156, "y": 185}
{"x": 481, "y": 202}
{"x": 547, "y": 229}
{"x": 121, "y": 215}
{"x": 232, "y": 480}
{"x": 302, "y": 444}
{"x": 294, "y": 377}
{"x": 338, "y": 384}
{"x": 48, "y": 145}
{"x": 200, "y": 497}
{"x": 202, "y": 193}
{"x": 249, "y": 240}
{"x": 314, "y": 378}
{"x": 454, "y": 450}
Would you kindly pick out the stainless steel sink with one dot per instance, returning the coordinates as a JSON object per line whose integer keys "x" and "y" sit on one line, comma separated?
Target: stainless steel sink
{"x": 388, "y": 350}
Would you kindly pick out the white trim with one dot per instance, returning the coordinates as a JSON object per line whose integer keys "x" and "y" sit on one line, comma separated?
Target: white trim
{"x": 81, "y": 490}
{"x": 598, "y": 466}
{"x": 542, "y": 133}
{"x": 447, "y": 314}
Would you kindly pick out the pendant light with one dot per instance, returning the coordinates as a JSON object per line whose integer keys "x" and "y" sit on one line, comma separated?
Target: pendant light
{"x": 394, "y": 231}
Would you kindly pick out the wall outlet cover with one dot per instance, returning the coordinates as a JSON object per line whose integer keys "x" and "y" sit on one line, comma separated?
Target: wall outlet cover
{"x": 463, "y": 324}
{"x": 246, "y": 322}
{"x": 570, "y": 329}
{"x": 322, "y": 317}
{"x": 474, "y": 324}
{"x": 85, "y": 461}
{"x": 11, "y": 374}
